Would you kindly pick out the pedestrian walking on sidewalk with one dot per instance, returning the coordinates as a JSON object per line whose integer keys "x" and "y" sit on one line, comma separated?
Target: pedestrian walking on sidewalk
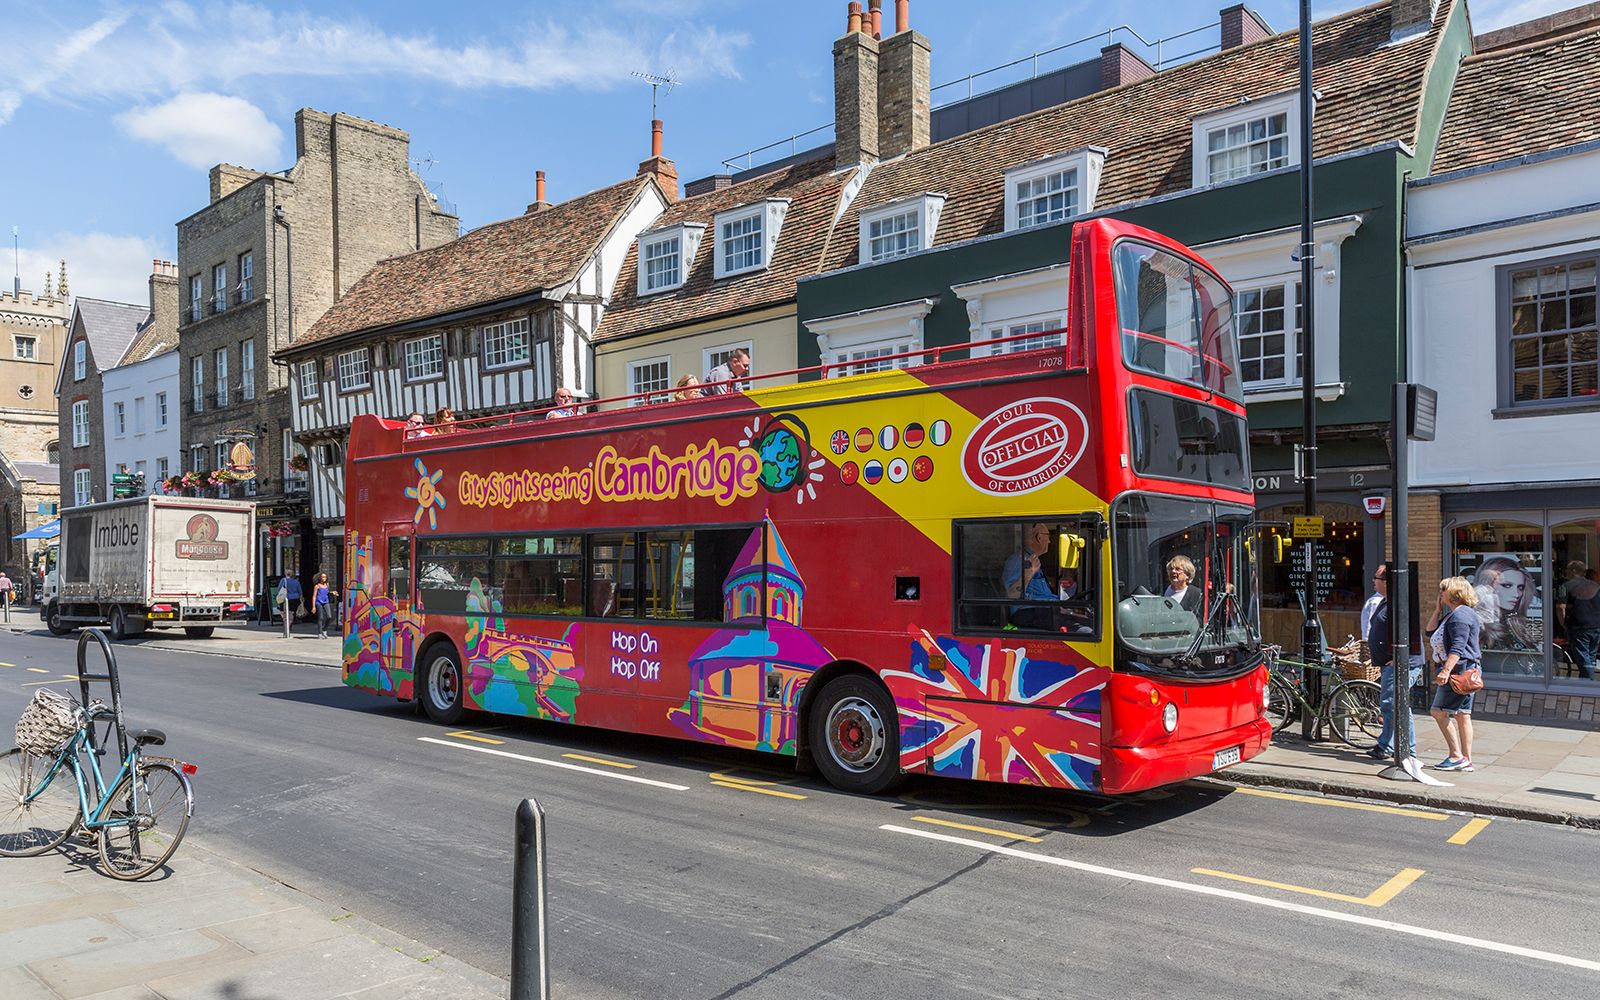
{"x": 327, "y": 611}
{"x": 1452, "y": 710}
{"x": 1380, "y": 646}
{"x": 6, "y": 588}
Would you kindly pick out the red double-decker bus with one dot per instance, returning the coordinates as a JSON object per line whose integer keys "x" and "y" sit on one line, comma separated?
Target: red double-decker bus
{"x": 1029, "y": 566}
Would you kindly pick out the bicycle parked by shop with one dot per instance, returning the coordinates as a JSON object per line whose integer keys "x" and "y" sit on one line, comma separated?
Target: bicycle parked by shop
{"x": 1349, "y": 707}
{"x": 52, "y": 783}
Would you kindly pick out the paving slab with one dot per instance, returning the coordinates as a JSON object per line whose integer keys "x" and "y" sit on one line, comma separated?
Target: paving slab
{"x": 42, "y": 942}
{"x": 311, "y": 972}
{"x": 133, "y": 962}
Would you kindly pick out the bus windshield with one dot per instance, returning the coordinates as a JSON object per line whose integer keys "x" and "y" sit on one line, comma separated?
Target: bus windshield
{"x": 1185, "y": 577}
{"x": 1176, "y": 319}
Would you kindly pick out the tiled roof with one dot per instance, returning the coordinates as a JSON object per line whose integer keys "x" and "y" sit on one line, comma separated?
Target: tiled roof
{"x": 43, "y": 473}
{"x": 1371, "y": 92}
{"x": 110, "y": 328}
{"x": 149, "y": 342}
{"x": 498, "y": 261}
{"x": 813, "y": 191}
{"x": 1545, "y": 95}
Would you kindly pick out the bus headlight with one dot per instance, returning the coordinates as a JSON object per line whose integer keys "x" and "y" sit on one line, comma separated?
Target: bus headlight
{"x": 1266, "y": 698}
{"x": 1169, "y": 717}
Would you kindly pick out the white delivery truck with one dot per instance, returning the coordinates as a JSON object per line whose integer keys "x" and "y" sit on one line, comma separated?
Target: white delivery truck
{"x": 154, "y": 561}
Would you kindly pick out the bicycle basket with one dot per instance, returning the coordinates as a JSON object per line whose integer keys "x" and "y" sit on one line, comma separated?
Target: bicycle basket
{"x": 1352, "y": 669}
{"x": 49, "y": 721}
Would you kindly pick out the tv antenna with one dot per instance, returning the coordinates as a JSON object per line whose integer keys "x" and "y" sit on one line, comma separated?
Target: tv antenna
{"x": 656, "y": 82}
{"x": 426, "y": 163}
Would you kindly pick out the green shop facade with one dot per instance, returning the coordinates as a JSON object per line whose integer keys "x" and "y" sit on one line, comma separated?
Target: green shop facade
{"x": 1016, "y": 282}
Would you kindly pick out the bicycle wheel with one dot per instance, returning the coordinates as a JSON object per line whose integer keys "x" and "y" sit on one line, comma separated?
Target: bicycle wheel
{"x": 1355, "y": 714}
{"x": 1282, "y": 708}
{"x": 38, "y": 810}
{"x": 148, "y": 815}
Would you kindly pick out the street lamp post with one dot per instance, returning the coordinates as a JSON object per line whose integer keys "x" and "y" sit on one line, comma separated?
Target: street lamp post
{"x": 1311, "y": 628}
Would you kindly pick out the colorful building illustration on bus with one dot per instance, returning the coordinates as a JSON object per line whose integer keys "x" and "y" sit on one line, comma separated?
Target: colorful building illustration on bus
{"x": 380, "y": 634}
{"x": 517, "y": 674}
{"x": 745, "y": 683}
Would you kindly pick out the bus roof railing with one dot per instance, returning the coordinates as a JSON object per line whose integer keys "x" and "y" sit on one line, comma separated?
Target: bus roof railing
{"x": 539, "y": 417}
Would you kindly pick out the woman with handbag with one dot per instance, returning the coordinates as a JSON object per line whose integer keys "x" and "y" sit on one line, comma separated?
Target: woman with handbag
{"x": 1461, "y": 674}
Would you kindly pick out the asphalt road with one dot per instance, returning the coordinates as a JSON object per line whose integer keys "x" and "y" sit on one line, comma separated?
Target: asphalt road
{"x": 682, "y": 871}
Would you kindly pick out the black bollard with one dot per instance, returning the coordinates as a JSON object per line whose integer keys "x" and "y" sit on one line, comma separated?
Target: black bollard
{"x": 530, "y": 967}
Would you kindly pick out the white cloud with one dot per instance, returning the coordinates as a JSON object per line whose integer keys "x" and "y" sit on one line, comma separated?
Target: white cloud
{"x": 113, "y": 266}
{"x": 177, "y": 48}
{"x": 200, "y": 129}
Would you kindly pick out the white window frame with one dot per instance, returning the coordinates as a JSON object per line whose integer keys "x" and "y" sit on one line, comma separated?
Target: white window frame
{"x": 119, "y": 418}
{"x": 924, "y": 211}
{"x": 247, "y": 370}
{"x": 504, "y": 332}
{"x": 353, "y": 364}
{"x": 220, "y": 359}
{"x": 80, "y": 424}
{"x": 423, "y": 358}
{"x": 1293, "y": 334}
{"x": 80, "y": 360}
{"x": 82, "y": 489}
{"x": 138, "y": 414}
{"x": 247, "y": 277}
{"x": 163, "y": 469}
{"x": 1084, "y": 164}
{"x": 197, "y": 458}
{"x": 711, "y": 357}
{"x": 220, "y": 455}
{"x": 659, "y": 393}
{"x": 197, "y": 373}
{"x": 310, "y": 380}
{"x": 687, "y": 236}
{"x": 1204, "y": 124}
{"x": 161, "y": 410}
{"x": 855, "y": 339}
{"x": 769, "y": 214}
{"x": 219, "y": 287}
{"x": 196, "y": 298}
{"x": 27, "y": 348}
{"x": 994, "y": 305}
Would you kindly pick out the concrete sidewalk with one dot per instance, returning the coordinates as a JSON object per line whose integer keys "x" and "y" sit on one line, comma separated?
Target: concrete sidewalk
{"x": 1547, "y": 772}
{"x": 208, "y": 930}
{"x": 255, "y": 642}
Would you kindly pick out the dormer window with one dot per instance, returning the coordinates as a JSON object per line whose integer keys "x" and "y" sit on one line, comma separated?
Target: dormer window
{"x": 1053, "y": 190}
{"x": 900, "y": 227}
{"x": 747, "y": 235}
{"x": 1252, "y": 138}
{"x": 666, "y": 255}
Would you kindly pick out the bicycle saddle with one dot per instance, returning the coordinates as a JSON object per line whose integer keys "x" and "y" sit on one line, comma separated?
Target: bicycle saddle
{"x": 149, "y": 737}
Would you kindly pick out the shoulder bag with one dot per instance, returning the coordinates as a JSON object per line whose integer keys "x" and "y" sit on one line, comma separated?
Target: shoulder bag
{"x": 1467, "y": 681}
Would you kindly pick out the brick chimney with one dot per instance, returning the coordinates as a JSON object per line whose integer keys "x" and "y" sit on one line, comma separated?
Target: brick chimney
{"x": 539, "y": 202}
{"x": 855, "y": 94}
{"x": 1410, "y": 18}
{"x": 904, "y": 85}
{"x": 1242, "y": 26}
{"x": 705, "y": 185}
{"x": 1120, "y": 65}
{"x": 662, "y": 169}
{"x": 164, "y": 298}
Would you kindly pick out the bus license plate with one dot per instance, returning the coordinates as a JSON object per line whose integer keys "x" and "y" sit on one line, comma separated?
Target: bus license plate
{"x": 1225, "y": 758}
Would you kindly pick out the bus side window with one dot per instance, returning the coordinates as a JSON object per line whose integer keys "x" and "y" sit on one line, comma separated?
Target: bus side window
{"x": 398, "y": 586}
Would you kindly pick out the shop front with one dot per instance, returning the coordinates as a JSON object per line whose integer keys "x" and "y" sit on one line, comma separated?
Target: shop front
{"x": 282, "y": 528}
{"x": 1533, "y": 555}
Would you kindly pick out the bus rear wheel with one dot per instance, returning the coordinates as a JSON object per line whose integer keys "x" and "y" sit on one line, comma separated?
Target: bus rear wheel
{"x": 442, "y": 685}
{"x": 855, "y": 736}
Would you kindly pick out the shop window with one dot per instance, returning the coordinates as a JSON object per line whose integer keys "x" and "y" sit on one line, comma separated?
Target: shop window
{"x": 1343, "y": 580}
{"x": 1504, "y": 560}
{"x": 1575, "y": 558}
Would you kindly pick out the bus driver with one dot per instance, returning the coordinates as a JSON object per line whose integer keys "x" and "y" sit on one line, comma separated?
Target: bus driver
{"x": 1024, "y": 578}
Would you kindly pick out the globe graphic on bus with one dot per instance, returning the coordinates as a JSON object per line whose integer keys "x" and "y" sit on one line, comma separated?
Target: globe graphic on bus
{"x": 781, "y": 450}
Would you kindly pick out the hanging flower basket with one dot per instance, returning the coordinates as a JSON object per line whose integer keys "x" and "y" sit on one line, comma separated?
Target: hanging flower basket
{"x": 299, "y": 463}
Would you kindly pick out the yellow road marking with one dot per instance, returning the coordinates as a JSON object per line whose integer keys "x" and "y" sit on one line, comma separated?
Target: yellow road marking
{"x": 741, "y": 786}
{"x": 1007, "y": 834}
{"x": 1362, "y": 806}
{"x": 597, "y": 760}
{"x": 468, "y": 735}
{"x": 4, "y": 664}
{"x": 1466, "y": 833}
{"x": 1379, "y": 896}
{"x": 37, "y": 670}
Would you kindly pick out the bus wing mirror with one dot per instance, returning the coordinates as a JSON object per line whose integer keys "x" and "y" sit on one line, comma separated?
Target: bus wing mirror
{"x": 1069, "y": 547}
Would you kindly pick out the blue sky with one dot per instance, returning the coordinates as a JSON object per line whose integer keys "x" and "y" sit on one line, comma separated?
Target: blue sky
{"x": 112, "y": 114}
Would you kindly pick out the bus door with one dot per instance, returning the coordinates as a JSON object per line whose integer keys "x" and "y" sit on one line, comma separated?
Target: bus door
{"x": 393, "y": 582}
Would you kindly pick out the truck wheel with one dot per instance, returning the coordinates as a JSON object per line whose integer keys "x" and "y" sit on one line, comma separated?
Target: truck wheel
{"x": 855, "y": 736}
{"x": 199, "y": 631}
{"x": 52, "y": 620}
{"x": 119, "y": 624}
{"x": 442, "y": 684}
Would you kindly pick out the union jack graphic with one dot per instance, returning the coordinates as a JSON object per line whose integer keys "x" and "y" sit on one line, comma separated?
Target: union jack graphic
{"x": 840, "y": 442}
{"x": 972, "y": 714}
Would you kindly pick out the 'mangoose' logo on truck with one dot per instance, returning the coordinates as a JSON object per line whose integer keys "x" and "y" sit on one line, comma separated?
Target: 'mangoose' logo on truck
{"x": 202, "y": 542}
{"x": 1024, "y": 445}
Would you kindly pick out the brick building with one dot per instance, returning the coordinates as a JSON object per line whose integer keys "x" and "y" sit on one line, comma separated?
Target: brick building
{"x": 258, "y": 266}
{"x": 32, "y": 329}
{"x": 99, "y": 338}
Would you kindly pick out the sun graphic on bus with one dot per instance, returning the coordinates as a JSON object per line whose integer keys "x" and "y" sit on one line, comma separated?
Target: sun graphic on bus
{"x": 788, "y": 462}
{"x": 426, "y": 494}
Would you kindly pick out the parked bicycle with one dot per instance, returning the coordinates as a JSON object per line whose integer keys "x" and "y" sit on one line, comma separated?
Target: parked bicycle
{"x": 1350, "y": 707}
{"x": 52, "y": 784}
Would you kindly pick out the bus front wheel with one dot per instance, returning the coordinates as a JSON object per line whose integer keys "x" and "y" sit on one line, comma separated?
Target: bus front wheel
{"x": 442, "y": 684}
{"x": 52, "y": 620}
{"x": 855, "y": 737}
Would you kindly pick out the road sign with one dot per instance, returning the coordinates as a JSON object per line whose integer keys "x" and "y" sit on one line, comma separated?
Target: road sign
{"x": 1308, "y": 527}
